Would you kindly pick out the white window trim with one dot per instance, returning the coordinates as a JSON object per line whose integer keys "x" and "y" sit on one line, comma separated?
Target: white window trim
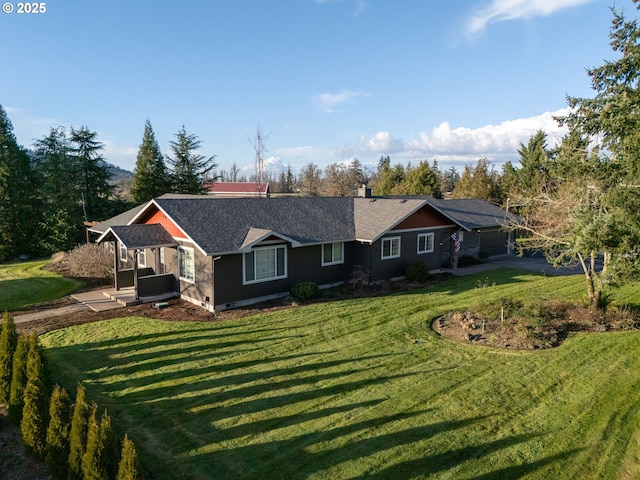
{"x": 390, "y": 240}
{"x": 185, "y": 249}
{"x": 270, "y": 279}
{"x": 121, "y": 249}
{"x": 142, "y": 258}
{"x": 425, "y": 235}
{"x": 332, "y": 262}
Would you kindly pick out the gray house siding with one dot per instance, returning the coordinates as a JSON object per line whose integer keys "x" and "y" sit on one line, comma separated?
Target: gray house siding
{"x": 397, "y": 267}
{"x": 201, "y": 289}
{"x": 304, "y": 264}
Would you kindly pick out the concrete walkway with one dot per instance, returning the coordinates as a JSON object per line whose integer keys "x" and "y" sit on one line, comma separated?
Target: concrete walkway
{"x": 94, "y": 300}
{"x": 533, "y": 264}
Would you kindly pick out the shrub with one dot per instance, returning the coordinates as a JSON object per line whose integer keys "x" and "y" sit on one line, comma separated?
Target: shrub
{"x": 78, "y": 434}
{"x": 129, "y": 468}
{"x": 57, "y": 439}
{"x": 18, "y": 379}
{"x": 91, "y": 467}
{"x": 306, "y": 291}
{"x": 36, "y": 402}
{"x": 89, "y": 260}
{"x": 359, "y": 277}
{"x": 417, "y": 272}
{"x": 8, "y": 341}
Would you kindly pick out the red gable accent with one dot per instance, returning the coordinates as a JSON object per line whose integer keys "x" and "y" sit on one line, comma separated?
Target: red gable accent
{"x": 425, "y": 217}
{"x": 157, "y": 216}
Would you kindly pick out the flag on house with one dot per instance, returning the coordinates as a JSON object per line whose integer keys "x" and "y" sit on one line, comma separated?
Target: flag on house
{"x": 456, "y": 241}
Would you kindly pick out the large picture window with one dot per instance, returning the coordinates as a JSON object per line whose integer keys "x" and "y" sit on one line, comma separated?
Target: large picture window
{"x": 390, "y": 248}
{"x": 425, "y": 243}
{"x": 265, "y": 263}
{"x": 186, "y": 264}
{"x": 332, "y": 253}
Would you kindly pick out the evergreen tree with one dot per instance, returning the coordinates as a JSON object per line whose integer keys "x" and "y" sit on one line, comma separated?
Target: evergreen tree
{"x": 111, "y": 454}
{"x": 150, "y": 174}
{"x": 535, "y": 161}
{"x": 480, "y": 181}
{"x": 422, "y": 180}
{"x": 36, "y": 401}
{"x": 8, "y": 342}
{"x": 91, "y": 468}
{"x": 57, "y": 440}
{"x": 129, "y": 468}
{"x": 611, "y": 116}
{"x": 18, "y": 212}
{"x": 78, "y": 434}
{"x": 389, "y": 178}
{"x": 189, "y": 168}
{"x": 93, "y": 173}
{"x": 61, "y": 225}
{"x": 18, "y": 379}
{"x": 100, "y": 460}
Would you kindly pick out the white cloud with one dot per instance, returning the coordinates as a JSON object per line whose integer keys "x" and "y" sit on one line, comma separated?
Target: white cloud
{"x": 505, "y": 10}
{"x": 329, "y": 101}
{"x": 461, "y": 145}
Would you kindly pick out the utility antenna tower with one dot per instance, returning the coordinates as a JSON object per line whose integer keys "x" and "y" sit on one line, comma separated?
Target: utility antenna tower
{"x": 259, "y": 145}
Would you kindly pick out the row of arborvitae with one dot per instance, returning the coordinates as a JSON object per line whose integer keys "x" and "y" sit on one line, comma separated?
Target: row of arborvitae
{"x": 73, "y": 440}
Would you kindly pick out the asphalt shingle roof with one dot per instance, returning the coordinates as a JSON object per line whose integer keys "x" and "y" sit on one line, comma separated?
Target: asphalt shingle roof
{"x": 221, "y": 225}
{"x": 226, "y": 225}
{"x": 141, "y": 235}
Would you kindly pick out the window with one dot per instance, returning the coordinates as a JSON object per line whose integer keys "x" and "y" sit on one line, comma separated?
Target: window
{"x": 332, "y": 253}
{"x": 425, "y": 243}
{"x": 186, "y": 264}
{"x": 265, "y": 263}
{"x": 142, "y": 258}
{"x": 390, "y": 247}
{"x": 123, "y": 253}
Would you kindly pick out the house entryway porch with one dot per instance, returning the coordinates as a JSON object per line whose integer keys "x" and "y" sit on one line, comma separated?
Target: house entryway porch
{"x": 141, "y": 283}
{"x": 127, "y": 296}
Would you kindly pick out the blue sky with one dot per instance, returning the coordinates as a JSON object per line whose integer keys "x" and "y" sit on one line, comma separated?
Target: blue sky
{"x": 329, "y": 80}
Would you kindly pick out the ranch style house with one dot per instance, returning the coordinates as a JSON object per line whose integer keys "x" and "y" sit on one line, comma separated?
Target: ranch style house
{"x": 222, "y": 253}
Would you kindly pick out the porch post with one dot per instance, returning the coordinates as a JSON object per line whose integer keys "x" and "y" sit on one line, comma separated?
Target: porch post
{"x": 135, "y": 273}
{"x": 156, "y": 254}
{"x": 116, "y": 262}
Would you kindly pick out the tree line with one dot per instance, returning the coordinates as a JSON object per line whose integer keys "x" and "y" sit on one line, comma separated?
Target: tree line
{"x": 72, "y": 438}
{"x": 49, "y": 191}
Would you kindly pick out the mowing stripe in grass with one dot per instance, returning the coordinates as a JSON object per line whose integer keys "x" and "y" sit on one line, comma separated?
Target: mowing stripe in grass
{"x": 335, "y": 390}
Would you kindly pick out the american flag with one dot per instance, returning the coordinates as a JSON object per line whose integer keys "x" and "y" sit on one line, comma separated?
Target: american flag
{"x": 454, "y": 237}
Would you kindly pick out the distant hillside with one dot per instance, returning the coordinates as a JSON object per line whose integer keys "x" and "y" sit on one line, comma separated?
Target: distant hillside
{"x": 118, "y": 174}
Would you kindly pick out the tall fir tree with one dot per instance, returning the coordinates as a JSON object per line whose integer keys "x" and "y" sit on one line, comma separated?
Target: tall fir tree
{"x": 8, "y": 342}
{"x": 129, "y": 468}
{"x": 150, "y": 178}
{"x": 18, "y": 379}
{"x": 36, "y": 402}
{"x": 78, "y": 434}
{"x": 61, "y": 225}
{"x": 93, "y": 178}
{"x": 188, "y": 168}
{"x": 57, "y": 440}
{"x": 19, "y": 214}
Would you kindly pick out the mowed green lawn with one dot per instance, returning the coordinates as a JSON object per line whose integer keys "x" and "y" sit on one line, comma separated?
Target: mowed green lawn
{"x": 26, "y": 283}
{"x": 336, "y": 391}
